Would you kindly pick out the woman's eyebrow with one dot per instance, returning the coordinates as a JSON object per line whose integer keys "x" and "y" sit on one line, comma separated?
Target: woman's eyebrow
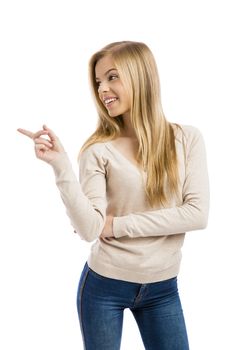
{"x": 108, "y": 71}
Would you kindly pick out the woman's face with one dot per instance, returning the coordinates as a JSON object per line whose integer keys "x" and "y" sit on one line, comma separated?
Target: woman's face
{"x": 110, "y": 88}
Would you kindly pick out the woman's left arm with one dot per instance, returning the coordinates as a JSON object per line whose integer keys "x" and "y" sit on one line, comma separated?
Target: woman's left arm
{"x": 191, "y": 215}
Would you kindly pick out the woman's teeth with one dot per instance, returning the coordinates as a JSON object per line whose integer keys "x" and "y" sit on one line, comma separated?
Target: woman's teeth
{"x": 109, "y": 100}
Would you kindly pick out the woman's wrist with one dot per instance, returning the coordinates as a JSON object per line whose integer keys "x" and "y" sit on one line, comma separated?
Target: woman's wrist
{"x": 60, "y": 163}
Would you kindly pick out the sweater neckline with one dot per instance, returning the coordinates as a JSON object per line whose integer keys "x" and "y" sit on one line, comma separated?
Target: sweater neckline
{"x": 113, "y": 148}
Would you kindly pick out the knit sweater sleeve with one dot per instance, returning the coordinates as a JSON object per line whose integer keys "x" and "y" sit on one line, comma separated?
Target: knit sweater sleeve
{"x": 191, "y": 215}
{"x": 84, "y": 200}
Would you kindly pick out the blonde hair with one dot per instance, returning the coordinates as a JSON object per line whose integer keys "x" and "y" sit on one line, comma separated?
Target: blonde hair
{"x": 138, "y": 72}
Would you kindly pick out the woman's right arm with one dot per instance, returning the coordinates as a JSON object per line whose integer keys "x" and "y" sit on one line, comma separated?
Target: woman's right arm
{"x": 85, "y": 201}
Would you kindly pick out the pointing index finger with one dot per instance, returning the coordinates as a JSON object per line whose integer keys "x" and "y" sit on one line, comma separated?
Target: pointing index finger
{"x": 32, "y": 135}
{"x": 26, "y": 132}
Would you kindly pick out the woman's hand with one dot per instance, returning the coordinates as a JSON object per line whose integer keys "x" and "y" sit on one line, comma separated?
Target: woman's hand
{"x": 46, "y": 149}
{"x": 107, "y": 231}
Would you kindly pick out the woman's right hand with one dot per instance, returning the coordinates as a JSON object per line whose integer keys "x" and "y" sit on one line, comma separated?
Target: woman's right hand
{"x": 46, "y": 149}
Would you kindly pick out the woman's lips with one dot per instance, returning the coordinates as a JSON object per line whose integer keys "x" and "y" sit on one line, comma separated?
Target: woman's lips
{"x": 109, "y": 101}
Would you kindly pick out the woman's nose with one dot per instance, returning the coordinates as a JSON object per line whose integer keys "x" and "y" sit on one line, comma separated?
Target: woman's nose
{"x": 103, "y": 87}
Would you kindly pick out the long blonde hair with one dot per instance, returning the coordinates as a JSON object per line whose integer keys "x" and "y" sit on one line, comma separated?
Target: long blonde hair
{"x": 138, "y": 72}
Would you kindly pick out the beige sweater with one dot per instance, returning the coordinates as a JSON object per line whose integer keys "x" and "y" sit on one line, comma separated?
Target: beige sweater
{"x": 147, "y": 241}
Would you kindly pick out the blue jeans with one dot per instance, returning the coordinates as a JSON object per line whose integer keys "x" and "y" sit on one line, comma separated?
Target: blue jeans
{"x": 155, "y": 306}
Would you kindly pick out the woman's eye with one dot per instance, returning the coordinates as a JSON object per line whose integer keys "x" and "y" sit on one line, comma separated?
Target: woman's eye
{"x": 113, "y": 77}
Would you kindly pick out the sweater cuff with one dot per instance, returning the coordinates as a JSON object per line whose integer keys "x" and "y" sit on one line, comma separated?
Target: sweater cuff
{"x": 120, "y": 226}
{"x": 62, "y": 167}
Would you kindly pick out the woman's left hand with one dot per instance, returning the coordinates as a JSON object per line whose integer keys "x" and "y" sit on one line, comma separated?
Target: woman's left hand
{"x": 107, "y": 231}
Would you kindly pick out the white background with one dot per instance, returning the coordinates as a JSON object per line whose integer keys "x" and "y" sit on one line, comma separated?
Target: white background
{"x": 45, "y": 47}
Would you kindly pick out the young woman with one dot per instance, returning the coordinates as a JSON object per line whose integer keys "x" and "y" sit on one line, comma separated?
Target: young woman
{"x": 143, "y": 183}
